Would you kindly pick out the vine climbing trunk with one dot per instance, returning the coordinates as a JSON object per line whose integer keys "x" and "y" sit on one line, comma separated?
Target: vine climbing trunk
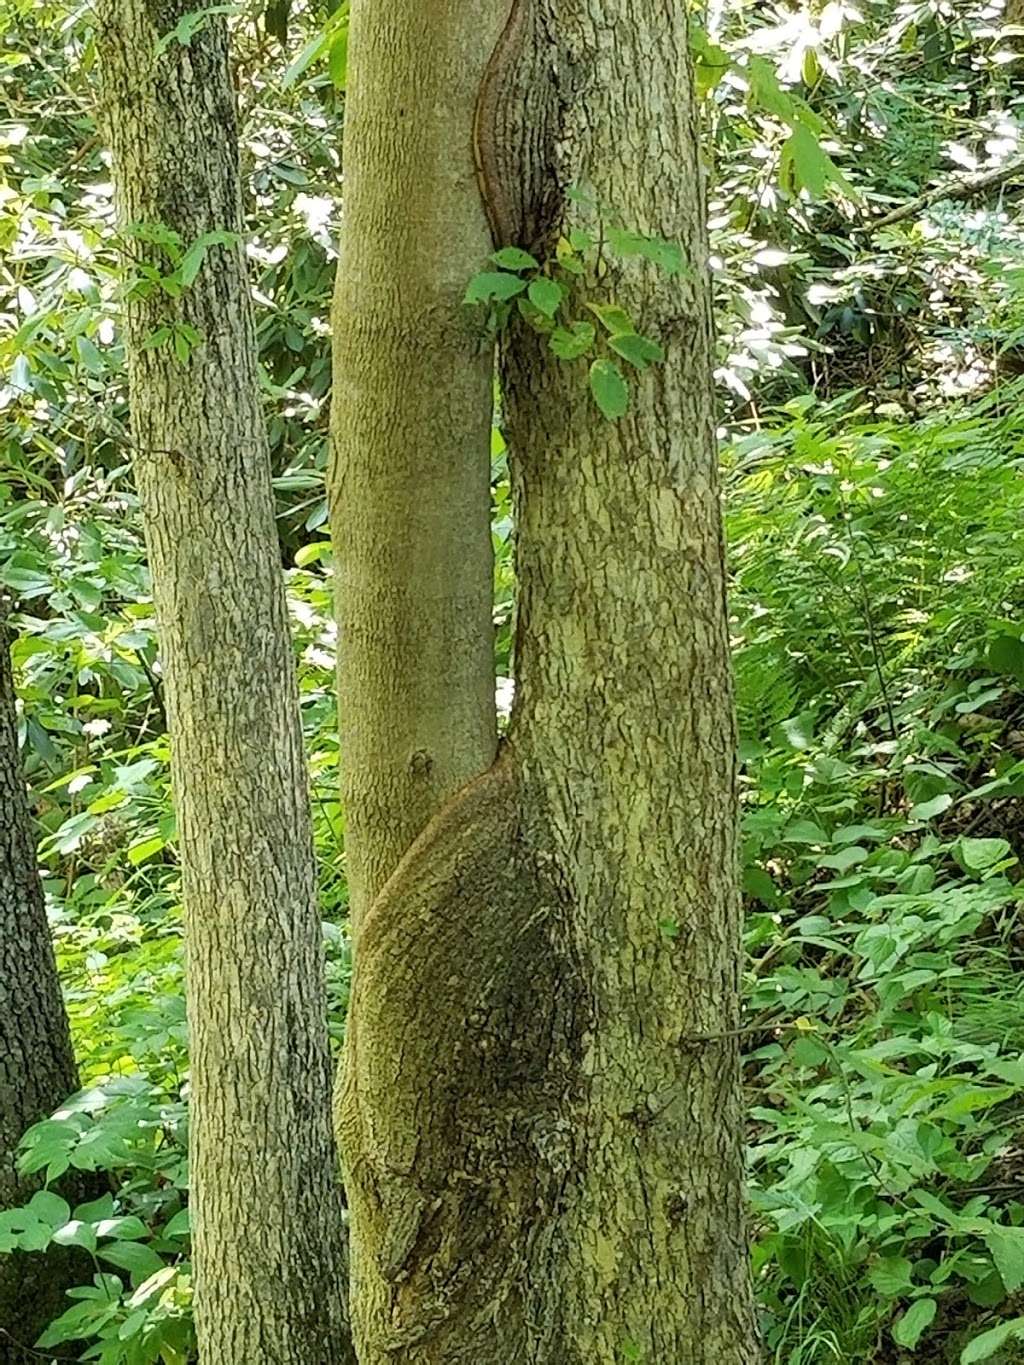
{"x": 540, "y": 1114}
{"x": 266, "y": 1205}
{"x": 37, "y": 1066}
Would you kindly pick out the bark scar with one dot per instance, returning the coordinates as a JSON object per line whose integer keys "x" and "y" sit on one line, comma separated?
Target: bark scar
{"x": 494, "y": 191}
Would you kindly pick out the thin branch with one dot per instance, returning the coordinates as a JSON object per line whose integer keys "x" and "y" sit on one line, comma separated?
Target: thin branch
{"x": 965, "y": 187}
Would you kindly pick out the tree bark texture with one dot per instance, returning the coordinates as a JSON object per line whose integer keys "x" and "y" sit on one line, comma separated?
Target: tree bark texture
{"x": 410, "y": 432}
{"x": 266, "y": 1204}
{"x": 37, "y": 1066}
{"x": 540, "y": 1116}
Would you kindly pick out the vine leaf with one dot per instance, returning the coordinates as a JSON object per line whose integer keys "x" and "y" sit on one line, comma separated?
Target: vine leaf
{"x": 609, "y": 389}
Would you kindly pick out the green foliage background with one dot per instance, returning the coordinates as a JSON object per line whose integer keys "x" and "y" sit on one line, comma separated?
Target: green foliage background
{"x": 873, "y": 450}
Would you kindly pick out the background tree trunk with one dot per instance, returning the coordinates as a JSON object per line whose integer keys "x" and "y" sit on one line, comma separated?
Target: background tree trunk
{"x": 541, "y": 1117}
{"x": 268, "y": 1217}
{"x": 37, "y": 1066}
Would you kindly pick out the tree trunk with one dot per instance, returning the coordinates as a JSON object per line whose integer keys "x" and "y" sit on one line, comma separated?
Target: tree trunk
{"x": 540, "y": 1118}
{"x": 266, "y": 1203}
{"x": 37, "y": 1066}
{"x": 410, "y": 434}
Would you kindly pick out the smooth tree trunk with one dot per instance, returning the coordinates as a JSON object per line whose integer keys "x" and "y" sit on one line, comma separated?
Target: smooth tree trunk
{"x": 540, "y": 1114}
{"x": 37, "y": 1066}
{"x": 267, "y": 1211}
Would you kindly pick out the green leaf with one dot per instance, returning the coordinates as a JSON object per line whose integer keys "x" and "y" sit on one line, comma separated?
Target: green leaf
{"x": 76, "y": 1234}
{"x": 514, "y": 258}
{"x": 337, "y": 56}
{"x": 609, "y": 389}
{"x": 89, "y": 355}
{"x": 139, "y": 1260}
{"x": 179, "y": 1226}
{"x": 639, "y": 351}
{"x": 668, "y": 256}
{"x": 928, "y": 810}
{"x": 190, "y": 24}
{"x": 803, "y": 164}
{"x": 808, "y": 1052}
{"x": 1006, "y": 655}
{"x": 565, "y": 255}
{"x": 891, "y": 1276}
{"x": 545, "y": 295}
{"x": 799, "y": 730}
{"x": 613, "y": 318}
{"x": 844, "y": 858}
{"x": 126, "y": 1228}
{"x": 192, "y": 261}
{"x": 1007, "y": 1247}
{"x": 96, "y": 1209}
{"x": 978, "y": 855}
{"x": 908, "y": 1330}
{"x": 985, "y": 1346}
{"x": 493, "y": 284}
{"x": 572, "y": 342}
{"x": 50, "y": 1208}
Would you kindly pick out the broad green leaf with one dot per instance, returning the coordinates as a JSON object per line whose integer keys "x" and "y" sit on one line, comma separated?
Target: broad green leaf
{"x": 545, "y": 295}
{"x": 139, "y": 1260}
{"x": 639, "y": 351}
{"x": 96, "y": 1209}
{"x": 891, "y": 1276}
{"x": 179, "y": 1226}
{"x": 572, "y": 342}
{"x": 612, "y": 318}
{"x": 803, "y": 164}
{"x": 1006, "y": 655}
{"x": 910, "y": 1328}
{"x": 493, "y": 284}
{"x": 668, "y": 256}
{"x": 565, "y": 255}
{"x": 985, "y": 1346}
{"x": 76, "y": 1234}
{"x": 125, "y": 1228}
{"x": 978, "y": 855}
{"x": 50, "y": 1208}
{"x": 845, "y": 858}
{"x": 1007, "y": 1247}
{"x": 89, "y": 355}
{"x": 928, "y": 810}
{"x": 514, "y": 258}
{"x": 609, "y": 388}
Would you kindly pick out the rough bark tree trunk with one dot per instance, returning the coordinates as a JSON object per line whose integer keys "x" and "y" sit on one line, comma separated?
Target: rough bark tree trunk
{"x": 540, "y": 1112}
{"x": 265, "y": 1198}
{"x": 37, "y": 1066}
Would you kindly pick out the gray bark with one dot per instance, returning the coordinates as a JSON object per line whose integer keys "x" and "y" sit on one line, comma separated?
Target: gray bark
{"x": 266, "y": 1202}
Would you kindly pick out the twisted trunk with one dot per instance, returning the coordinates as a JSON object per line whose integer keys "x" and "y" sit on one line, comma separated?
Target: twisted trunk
{"x": 540, "y": 1114}
{"x": 266, "y": 1205}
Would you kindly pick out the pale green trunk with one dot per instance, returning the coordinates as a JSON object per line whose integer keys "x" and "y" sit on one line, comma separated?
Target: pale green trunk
{"x": 410, "y": 432}
{"x": 541, "y": 1115}
{"x": 266, "y": 1205}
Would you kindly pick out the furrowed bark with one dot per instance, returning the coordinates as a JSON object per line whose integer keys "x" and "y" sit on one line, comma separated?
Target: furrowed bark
{"x": 624, "y": 719}
{"x": 37, "y": 1066}
{"x": 266, "y": 1205}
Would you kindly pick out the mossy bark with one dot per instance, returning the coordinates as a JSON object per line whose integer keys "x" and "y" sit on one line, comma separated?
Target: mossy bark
{"x": 540, "y": 1117}
{"x": 265, "y": 1199}
{"x": 37, "y": 1066}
